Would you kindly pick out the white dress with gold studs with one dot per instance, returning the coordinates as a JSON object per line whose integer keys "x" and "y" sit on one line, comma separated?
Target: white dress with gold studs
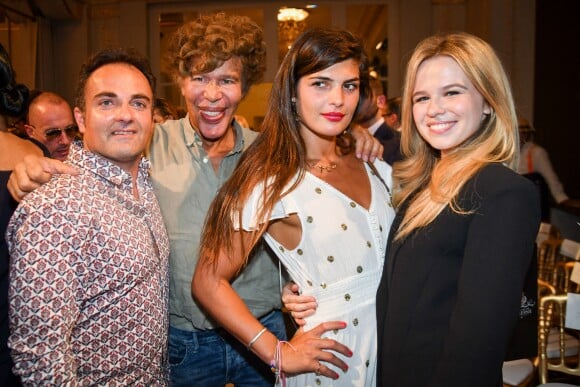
{"x": 339, "y": 260}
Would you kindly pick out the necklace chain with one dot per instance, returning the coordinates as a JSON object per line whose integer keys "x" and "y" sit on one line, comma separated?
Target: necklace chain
{"x": 322, "y": 167}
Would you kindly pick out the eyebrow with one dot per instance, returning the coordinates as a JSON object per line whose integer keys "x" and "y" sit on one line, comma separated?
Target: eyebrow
{"x": 323, "y": 78}
{"x": 114, "y": 95}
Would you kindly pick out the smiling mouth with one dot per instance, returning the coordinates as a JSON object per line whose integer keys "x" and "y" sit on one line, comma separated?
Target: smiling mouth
{"x": 123, "y": 132}
{"x": 440, "y": 127}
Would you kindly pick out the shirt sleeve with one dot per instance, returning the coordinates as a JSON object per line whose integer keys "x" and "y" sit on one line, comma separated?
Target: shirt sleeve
{"x": 42, "y": 295}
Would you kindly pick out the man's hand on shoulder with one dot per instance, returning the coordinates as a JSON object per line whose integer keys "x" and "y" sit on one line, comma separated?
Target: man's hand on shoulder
{"x": 32, "y": 172}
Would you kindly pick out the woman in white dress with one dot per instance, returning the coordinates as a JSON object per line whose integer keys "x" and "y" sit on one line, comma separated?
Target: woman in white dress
{"x": 325, "y": 214}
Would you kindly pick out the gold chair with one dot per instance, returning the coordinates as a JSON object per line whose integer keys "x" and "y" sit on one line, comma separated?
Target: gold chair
{"x": 548, "y": 257}
{"x": 561, "y": 277}
{"x": 558, "y": 346}
{"x": 520, "y": 372}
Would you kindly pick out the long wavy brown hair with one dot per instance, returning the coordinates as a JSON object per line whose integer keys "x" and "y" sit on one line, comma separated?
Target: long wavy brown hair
{"x": 429, "y": 181}
{"x": 279, "y": 153}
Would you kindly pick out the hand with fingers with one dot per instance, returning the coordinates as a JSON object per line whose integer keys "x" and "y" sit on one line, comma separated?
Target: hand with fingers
{"x": 308, "y": 351}
{"x": 298, "y": 306}
{"x": 367, "y": 147}
{"x": 32, "y": 172}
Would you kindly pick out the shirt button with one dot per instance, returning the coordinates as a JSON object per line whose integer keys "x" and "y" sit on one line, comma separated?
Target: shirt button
{"x": 347, "y": 297}
{"x": 309, "y": 219}
{"x": 323, "y": 285}
{"x": 344, "y": 226}
{"x": 355, "y": 322}
{"x": 299, "y": 251}
{"x": 359, "y": 269}
{"x": 330, "y": 258}
{"x": 318, "y": 190}
{"x": 353, "y": 204}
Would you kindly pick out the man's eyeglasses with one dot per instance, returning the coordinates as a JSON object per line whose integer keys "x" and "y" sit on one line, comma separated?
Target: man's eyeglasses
{"x": 54, "y": 133}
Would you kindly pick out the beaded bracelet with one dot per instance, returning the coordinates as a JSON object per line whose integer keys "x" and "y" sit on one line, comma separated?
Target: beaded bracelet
{"x": 276, "y": 363}
{"x": 249, "y": 346}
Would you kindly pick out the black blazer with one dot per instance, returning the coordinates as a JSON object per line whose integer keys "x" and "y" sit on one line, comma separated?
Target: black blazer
{"x": 449, "y": 298}
{"x": 391, "y": 140}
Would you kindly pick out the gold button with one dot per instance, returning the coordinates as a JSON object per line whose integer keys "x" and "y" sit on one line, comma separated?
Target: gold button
{"x": 318, "y": 190}
{"x": 355, "y": 322}
{"x": 359, "y": 269}
{"x": 299, "y": 251}
{"x": 281, "y": 248}
{"x": 330, "y": 258}
{"x": 309, "y": 219}
{"x": 344, "y": 226}
{"x": 309, "y": 283}
{"x": 347, "y": 297}
{"x": 318, "y": 382}
{"x": 369, "y": 244}
{"x": 323, "y": 285}
{"x": 353, "y": 204}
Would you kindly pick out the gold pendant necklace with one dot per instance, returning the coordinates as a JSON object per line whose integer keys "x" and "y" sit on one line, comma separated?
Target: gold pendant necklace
{"x": 322, "y": 167}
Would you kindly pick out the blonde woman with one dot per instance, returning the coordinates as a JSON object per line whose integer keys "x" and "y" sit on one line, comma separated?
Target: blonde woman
{"x": 463, "y": 238}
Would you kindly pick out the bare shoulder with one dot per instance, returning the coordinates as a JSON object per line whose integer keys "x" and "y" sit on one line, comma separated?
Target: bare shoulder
{"x": 14, "y": 149}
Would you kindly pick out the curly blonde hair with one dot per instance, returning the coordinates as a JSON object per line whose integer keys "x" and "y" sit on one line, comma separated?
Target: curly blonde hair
{"x": 203, "y": 45}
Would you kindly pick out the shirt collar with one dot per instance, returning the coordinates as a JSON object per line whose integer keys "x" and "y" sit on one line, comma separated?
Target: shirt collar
{"x": 373, "y": 128}
{"x": 102, "y": 167}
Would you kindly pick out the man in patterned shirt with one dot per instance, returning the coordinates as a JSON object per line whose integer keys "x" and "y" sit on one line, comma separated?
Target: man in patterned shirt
{"x": 89, "y": 291}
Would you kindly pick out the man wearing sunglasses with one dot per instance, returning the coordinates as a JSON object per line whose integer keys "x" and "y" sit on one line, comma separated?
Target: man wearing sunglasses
{"x": 50, "y": 122}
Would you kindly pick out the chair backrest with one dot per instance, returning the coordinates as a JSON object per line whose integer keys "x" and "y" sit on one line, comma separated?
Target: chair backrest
{"x": 570, "y": 249}
{"x": 552, "y": 318}
{"x": 548, "y": 254}
{"x": 561, "y": 277}
{"x": 547, "y": 231}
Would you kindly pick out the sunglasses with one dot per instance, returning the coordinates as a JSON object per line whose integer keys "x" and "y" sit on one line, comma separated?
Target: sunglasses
{"x": 54, "y": 133}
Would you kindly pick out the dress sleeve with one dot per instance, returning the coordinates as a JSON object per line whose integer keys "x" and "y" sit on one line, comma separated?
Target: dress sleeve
{"x": 250, "y": 222}
{"x": 43, "y": 286}
{"x": 497, "y": 255}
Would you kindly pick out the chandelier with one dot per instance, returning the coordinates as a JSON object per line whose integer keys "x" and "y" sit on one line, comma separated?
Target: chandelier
{"x": 291, "y": 23}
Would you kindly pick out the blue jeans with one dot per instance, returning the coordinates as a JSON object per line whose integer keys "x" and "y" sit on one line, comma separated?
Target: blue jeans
{"x": 214, "y": 358}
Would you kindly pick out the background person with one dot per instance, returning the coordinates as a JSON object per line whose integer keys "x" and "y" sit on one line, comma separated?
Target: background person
{"x": 535, "y": 164}
{"x": 463, "y": 238}
{"x": 324, "y": 212}
{"x": 392, "y": 114}
{"x": 372, "y": 119}
{"x": 50, "y": 122}
{"x": 163, "y": 111}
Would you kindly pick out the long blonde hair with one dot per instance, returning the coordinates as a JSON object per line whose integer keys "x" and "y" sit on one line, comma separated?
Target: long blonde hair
{"x": 279, "y": 152}
{"x": 429, "y": 182}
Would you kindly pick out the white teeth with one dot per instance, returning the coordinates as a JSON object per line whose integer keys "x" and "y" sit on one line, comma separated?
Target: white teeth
{"x": 438, "y": 126}
{"x": 212, "y": 114}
